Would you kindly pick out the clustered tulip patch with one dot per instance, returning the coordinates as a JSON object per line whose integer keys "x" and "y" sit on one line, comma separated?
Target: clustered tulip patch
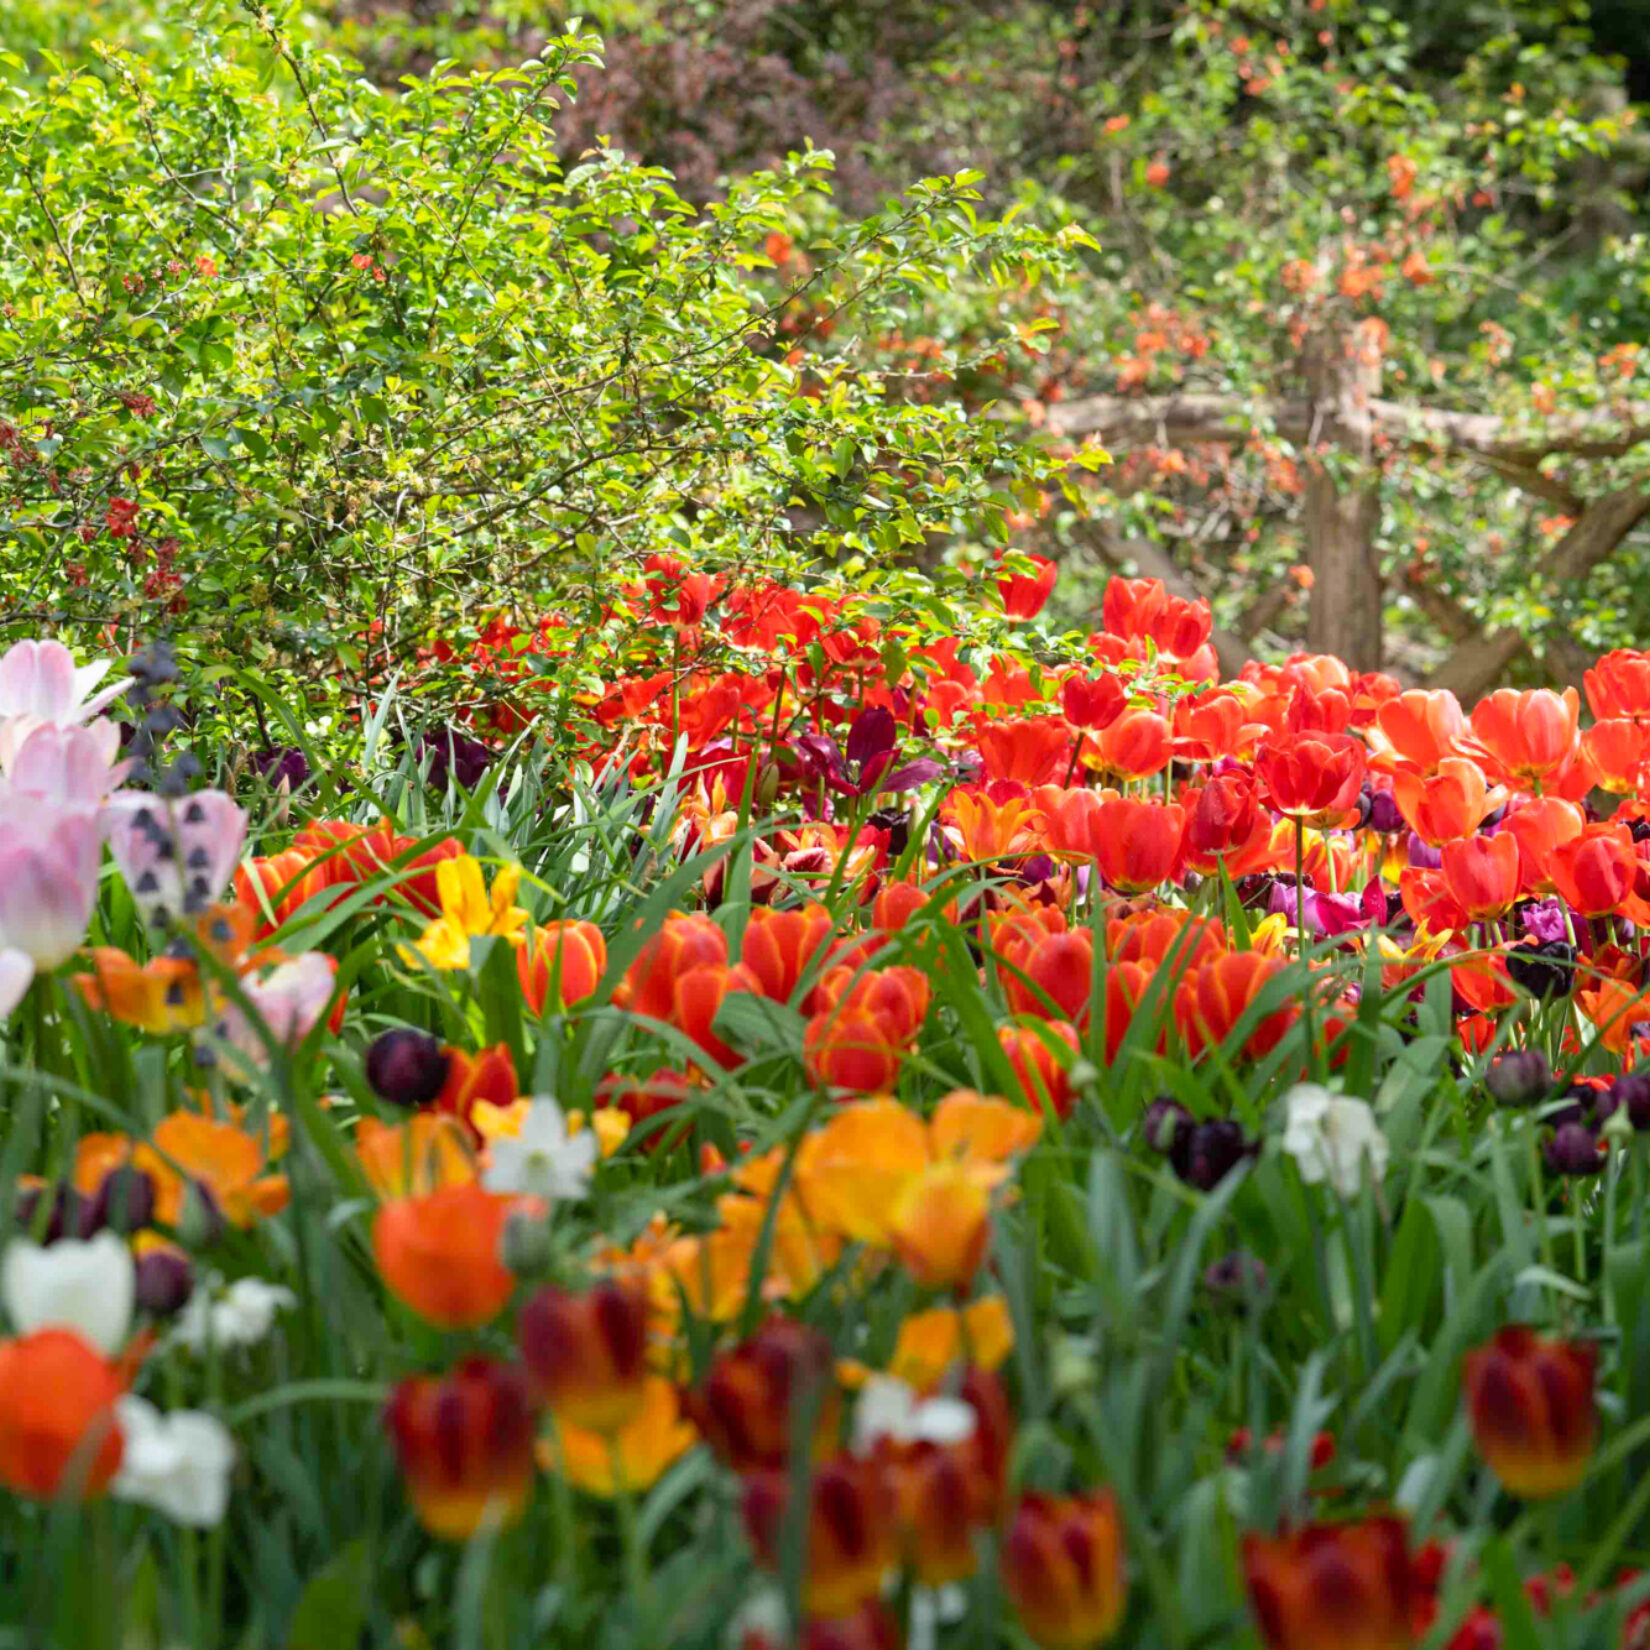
{"x": 892, "y": 1142}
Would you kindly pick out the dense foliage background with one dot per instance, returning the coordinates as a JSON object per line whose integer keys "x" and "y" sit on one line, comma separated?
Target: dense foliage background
{"x": 312, "y": 361}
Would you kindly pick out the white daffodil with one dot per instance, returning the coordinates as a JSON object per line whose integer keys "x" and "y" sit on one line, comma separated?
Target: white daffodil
{"x": 542, "y": 1159}
{"x": 88, "y": 1287}
{"x": 179, "y": 1464}
{"x": 1331, "y": 1137}
{"x": 888, "y": 1408}
{"x": 241, "y": 1315}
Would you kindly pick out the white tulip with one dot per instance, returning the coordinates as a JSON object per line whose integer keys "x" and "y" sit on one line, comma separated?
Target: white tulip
{"x": 888, "y": 1408}
{"x": 88, "y": 1287}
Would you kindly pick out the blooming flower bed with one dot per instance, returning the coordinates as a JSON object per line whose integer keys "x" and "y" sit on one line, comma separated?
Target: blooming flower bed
{"x": 853, "y": 1138}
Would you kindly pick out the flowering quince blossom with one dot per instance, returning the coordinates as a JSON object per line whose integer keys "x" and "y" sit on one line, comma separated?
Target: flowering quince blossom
{"x": 179, "y": 1463}
{"x": 241, "y": 1315}
{"x": 85, "y": 1286}
{"x": 1331, "y": 1136}
{"x": 888, "y": 1408}
{"x": 542, "y": 1159}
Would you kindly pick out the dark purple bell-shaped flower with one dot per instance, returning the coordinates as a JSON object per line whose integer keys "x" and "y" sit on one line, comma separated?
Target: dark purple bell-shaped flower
{"x": 1519, "y": 1077}
{"x": 1165, "y": 1123}
{"x": 165, "y": 1281}
{"x": 1574, "y": 1149}
{"x": 1203, "y": 1155}
{"x": 124, "y": 1202}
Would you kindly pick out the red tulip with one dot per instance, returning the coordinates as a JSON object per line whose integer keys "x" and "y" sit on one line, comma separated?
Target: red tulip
{"x": 1313, "y": 777}
{"x": 1530, "y": 1401}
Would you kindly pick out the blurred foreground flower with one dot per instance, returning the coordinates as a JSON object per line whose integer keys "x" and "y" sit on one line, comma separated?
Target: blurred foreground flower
{"x": 1332, "y": 1138}
{"x": 1062, "y": 1565}
{"x": 1333, "y": 1587}
{"x": 1529, "y": 1398}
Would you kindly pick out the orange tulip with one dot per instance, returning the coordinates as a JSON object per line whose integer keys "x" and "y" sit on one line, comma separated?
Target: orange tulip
{"x": 1530, "y": 733}
{"x": 587, "y": 1354}
{"x": 1071, "y": 820}
{"x": 282, "y": 882}
{"x": 1137, "y": 744}
{"x": 58, "y": 1431}
{"x": 1041, "y": 1053}
{"x": 1031, "y": 750}
{"x": 781, "y": 946}
{"x": 1050, "y": 978}
{"x": 1172, "y": 936}
{"x": 1530, "y": 1401}
{"x": 1449, "y": 803}
{"x": 1212, "y": 998}
{"x": 859, "y": 1037}
{"x": 699, "y": 995}
{"x": 1346, "y": 1586}
{"x": 573, "y": 954}
{"x": 1421, "y": 728}
{"x": 1482, "y": 873}
{"x": 1618, "y": 1009}
{"x": 1144, "y": 609}
{"x": 439, "y": 1253}
{"x": 1428, "y": 902}
{"x": 1138, "y": 843}
{"x": 465, "y": 1444}
{"x": 1062, "y": 1566}
{"x": 683, "y": 942}
{"x": 1541, "y": 825}
{"x": 1618, "y": 686}
{"x": 988, "y": 828}
{"x": 852, "y": 1535}
{"x": 188, "y": 1150}
{"x": 1210, "y": 726}
{"x": 940, "y": 1222}
{"x": 1617, "y": 751}
{"x": 1025, "y": 594}
{"x": 1596, "y": 871}
{"x": 1313, "y": 778}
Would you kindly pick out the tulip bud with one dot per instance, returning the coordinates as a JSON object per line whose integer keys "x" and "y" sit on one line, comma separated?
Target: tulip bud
{"x": 165, "y": 1279}
{"x": 1520, "y": 1077}
{"x": 524, "y": 1244}
{"x": 1630, "y": 1093}
{"x": 767, "y": 788}
{"x": 1166, "y": 1122}
{"x": 1574, "y": 1149}
{"x": 465, "y": 1443}
{"x": 1204, "y": 1154}
{"x": 1530, "y": 1401}
{"x": 1237, "y": 1278}
{"x": 406, "y": 1067}
{"x": 124, "y": 1202}
{"x": 1384, "y": 814}
{"x": 1062, "y": 1565}
{"x": 587, "y": 1354}
{"x": 67, "y": 1216}
{"x": 752, "y": 1393}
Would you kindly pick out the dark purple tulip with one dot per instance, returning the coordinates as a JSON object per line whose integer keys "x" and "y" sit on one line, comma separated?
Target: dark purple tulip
{"x": 1423, "y": 856}
{"x": 1630, "y": 1091}
{"x": 1383, "y": 813}
{"x": 124, "y": 1202}
{"x": 1544, "y": 970}
{"x": 406, "y": 1067}
{"x": 1203, "y": 1155}
{"x": 165, "y": 1281}
{"x": 451, "y": 753}
{"x": 1574, "y": 1149}
{"x": 1520, "y": 1077}
{"x": 67, "y": 1217}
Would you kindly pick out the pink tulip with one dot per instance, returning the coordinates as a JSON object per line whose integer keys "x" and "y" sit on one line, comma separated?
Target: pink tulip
{"x": 49, "y": 857}
{"x": 40, "y": 680}
{"x": 70, "y": 765}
